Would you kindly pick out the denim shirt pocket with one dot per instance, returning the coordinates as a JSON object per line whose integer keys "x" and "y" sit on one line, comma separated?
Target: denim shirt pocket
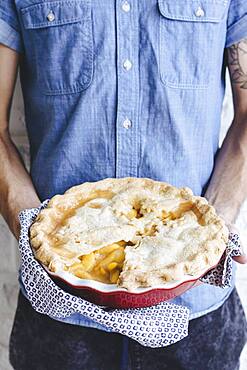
{"x": 59, "y": 42}
{"x": 188, "y": 32}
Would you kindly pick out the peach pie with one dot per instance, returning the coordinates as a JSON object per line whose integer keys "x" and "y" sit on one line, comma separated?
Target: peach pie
{"x": 133, "y": 232}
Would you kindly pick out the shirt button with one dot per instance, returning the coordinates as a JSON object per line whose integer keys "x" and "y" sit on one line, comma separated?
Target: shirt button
{"x": 200, "y": 12}
{"x": 126, "y": 6}
{"x": 127, "y": 65}
{"x": 127, "y": 123}
{"x": 51, "y": 16}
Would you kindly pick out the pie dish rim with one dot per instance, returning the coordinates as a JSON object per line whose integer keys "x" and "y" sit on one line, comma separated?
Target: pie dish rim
{"x": 145, "y": 181}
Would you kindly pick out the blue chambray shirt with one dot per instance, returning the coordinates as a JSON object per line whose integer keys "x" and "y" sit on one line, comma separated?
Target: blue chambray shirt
{"x": 124, "y": 88}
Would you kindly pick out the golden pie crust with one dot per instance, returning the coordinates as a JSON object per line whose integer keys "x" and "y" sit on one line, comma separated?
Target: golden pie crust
{"x": 167, "y": 232}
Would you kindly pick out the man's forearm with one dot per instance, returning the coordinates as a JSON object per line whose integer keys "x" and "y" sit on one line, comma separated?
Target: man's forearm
{"x": 16, "y": 188}
{"x": 227, "y": 189}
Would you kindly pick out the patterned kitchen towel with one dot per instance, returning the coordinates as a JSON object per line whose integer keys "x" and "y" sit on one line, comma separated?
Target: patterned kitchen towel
{"x": 221, "y": 275}
{"x": 156, "y": 326}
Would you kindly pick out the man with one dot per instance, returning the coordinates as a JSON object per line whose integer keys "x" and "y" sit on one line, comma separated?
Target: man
{"x": 125, "y": 88}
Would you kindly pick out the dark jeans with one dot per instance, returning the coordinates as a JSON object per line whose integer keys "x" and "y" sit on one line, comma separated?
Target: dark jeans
{"x": 215, "y": 342}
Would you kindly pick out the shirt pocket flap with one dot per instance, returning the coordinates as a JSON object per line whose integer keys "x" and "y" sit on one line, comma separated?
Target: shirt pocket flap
{"x": 55, "y": 13}
{"x": 193, "y": 11}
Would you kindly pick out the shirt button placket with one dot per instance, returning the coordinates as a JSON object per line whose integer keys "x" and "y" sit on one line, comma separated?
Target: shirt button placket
{"x": 128, "y": 89}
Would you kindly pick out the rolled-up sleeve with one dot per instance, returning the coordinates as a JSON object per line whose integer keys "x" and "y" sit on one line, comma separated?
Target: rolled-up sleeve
{"x": 237, "y": 22}
{"x": 10, "y": 34}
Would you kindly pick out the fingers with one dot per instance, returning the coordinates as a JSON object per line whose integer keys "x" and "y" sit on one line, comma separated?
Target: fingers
{"x": 241, "y": 259}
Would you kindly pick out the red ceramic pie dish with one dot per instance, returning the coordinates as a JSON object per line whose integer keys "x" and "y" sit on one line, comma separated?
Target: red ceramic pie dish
{"x": 113, "y": 296}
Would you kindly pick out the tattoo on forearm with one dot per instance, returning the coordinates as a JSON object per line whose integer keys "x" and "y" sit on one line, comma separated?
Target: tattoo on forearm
{"x": 237, "y": 58}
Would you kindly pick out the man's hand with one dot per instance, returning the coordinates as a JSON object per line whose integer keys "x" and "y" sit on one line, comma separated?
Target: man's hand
{"x": 13, "y": 222}
{"x": 227, "y": 189}
{"x": 243, "y": 258}
{"x": 16, "y": 188}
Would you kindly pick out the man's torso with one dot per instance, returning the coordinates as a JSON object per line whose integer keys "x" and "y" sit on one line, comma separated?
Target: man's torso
{"x": 116, "y": 88}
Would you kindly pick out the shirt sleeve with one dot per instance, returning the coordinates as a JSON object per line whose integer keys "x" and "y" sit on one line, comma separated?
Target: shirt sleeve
{"x": 10, "y": 34}
{"x": 236, "y": 22}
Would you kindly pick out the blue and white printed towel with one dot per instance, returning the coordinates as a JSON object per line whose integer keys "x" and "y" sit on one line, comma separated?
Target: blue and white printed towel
{"x": 156, "y": 326}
